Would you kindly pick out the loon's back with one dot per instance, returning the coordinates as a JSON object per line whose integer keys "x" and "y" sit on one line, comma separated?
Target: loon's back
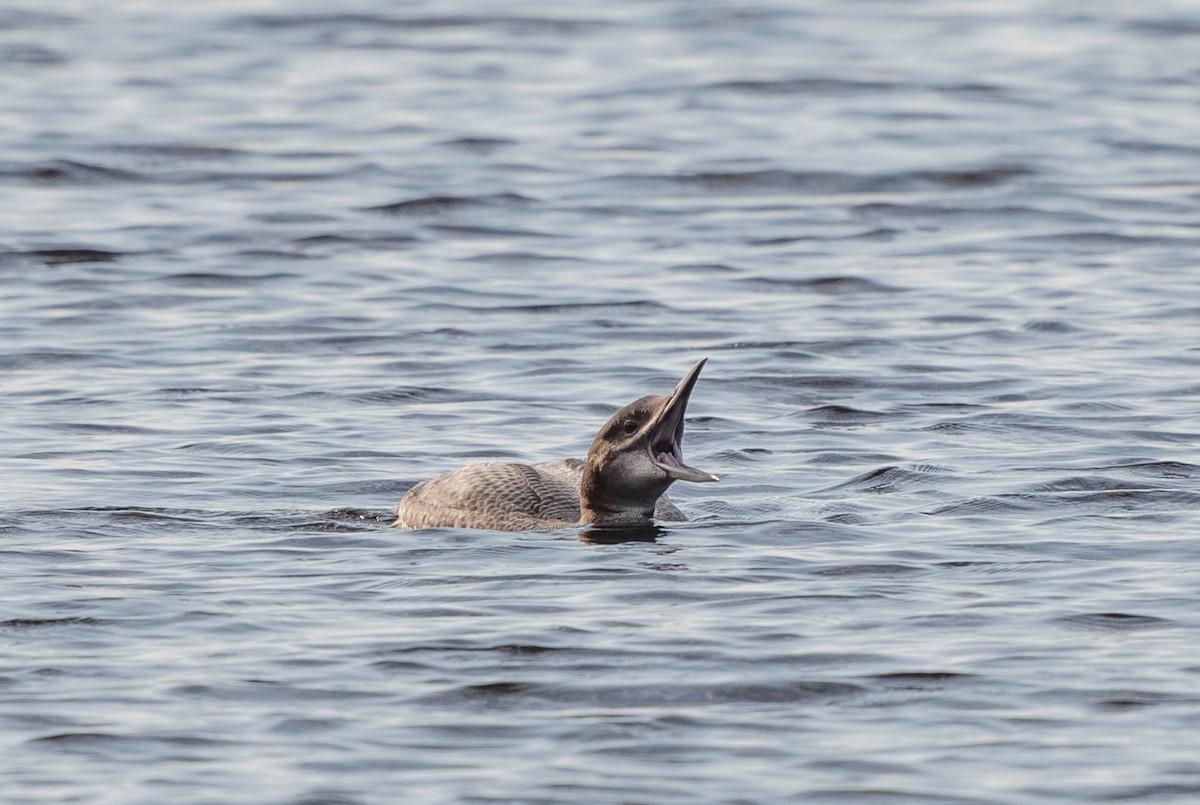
{"x": 504, "y": 497}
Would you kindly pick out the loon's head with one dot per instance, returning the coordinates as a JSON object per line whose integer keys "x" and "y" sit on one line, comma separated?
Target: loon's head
{"x": 636, "y": 456}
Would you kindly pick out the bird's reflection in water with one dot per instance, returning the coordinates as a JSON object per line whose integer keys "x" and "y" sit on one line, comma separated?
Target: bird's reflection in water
{"x": 615, "y": 535}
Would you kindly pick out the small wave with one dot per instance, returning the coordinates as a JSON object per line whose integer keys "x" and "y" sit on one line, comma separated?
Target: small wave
{"x": 37, "y": 359}
{"x": 325, "y": 22}
{"x": 1169, "y": 27}
{"x": 512, "y": 694}
{"x": 1123, "y": 499}
{"x": 476, "y": 231}
{"x": 426, "y": 206}
{"x": 981, "y": 177}
{"x": 389, "y": 241}
{"x": 830, "y": 182}
{"x": 1109, "y": 240}
{"x": 878, "y": 233}
{"x": 97, "y": 427}
{"x": 67, "y": 172}
{"x": 17, "y": 19}
{"x": 179, "y": 151}
{"x": 841, "y": 415}
{"x": 999, "y": 504}
{"x": 570, "y": 307}
{"x": 478, "y": 145}
{"x": 81, "y": 740}
{"x": 922, "y": 680}
{"x": 31, "y": 56}
{"x": 1051, "y": 327}
{"x": 1158, "y": 469}
{"x": 830, "y": 286}
{"x": 409, "y": 394}
{"x": 56, "y": 257}
{"x": 1087, "y": 483}
{"x": 197, "y": 279}
{"x": 1113, "y": 621}
{"x": 887, "y": 480}
{"x": 822, "y": 382}
{"x": 703, "y": 268}
{"x": 885, "y": 569}
{"x": 749, "y": 455}
{"x": 804, "y": 86}
{"x": 39, "y": 623}
{"x": 521, "y": 258}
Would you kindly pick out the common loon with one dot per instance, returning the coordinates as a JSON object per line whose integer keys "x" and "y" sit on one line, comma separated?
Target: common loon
{"x": 633, "y": 459}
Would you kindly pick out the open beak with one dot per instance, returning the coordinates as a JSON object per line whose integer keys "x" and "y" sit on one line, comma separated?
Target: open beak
{"x": 666, "y": 433}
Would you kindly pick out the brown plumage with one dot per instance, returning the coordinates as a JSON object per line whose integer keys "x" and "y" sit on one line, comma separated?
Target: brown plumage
{"x": 635, "y": 456}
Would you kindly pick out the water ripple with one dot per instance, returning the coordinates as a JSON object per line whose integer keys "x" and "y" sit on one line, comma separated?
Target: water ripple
{"x": 266, "y": 268}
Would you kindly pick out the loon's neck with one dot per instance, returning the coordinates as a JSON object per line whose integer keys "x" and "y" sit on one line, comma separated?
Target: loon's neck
{"x": 600, "y": 504}
{"x": 597, "y": 514}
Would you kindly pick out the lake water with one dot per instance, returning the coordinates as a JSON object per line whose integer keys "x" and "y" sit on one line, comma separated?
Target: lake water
{"x": 265, "y": 265}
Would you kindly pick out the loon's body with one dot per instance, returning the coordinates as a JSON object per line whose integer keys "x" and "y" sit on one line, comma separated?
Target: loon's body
{"x": 632, "y": 461}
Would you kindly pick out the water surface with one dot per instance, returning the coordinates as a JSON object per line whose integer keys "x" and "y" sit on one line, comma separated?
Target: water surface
{"x": 264, "y": 266}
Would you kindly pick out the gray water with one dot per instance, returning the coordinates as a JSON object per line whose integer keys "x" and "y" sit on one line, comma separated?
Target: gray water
{"x": 266, "y": 265}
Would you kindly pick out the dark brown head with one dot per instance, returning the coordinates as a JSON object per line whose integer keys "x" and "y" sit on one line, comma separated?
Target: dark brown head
{"x": 636, "y": 456}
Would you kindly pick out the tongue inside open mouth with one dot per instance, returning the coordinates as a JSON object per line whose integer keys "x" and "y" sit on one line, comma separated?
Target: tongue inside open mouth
{"x": 666, "y": 439}
{"x": 667, "y": 455}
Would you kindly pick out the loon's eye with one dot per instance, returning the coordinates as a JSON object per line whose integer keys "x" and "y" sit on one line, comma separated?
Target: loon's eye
{"x": 630, "y": 426}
